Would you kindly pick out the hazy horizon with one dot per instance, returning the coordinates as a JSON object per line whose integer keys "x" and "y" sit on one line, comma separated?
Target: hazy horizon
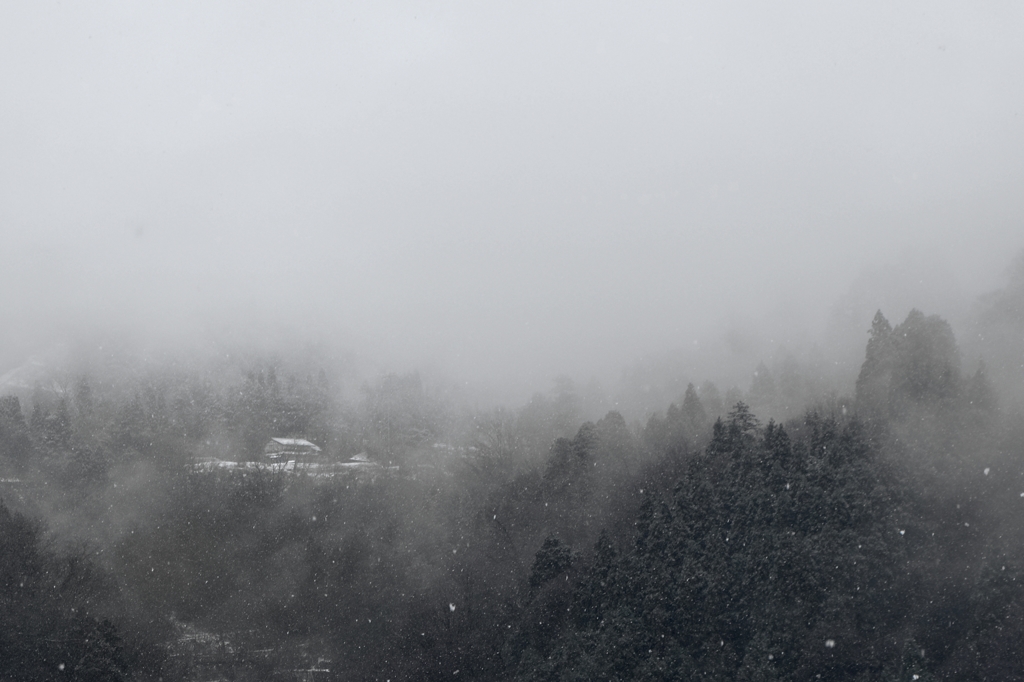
{"x": 501, "y": 195}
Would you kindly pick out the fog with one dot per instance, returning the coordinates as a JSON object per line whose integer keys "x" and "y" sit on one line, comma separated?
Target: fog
{"x": 501, "y": 194}
{"x": 582, "y": 341}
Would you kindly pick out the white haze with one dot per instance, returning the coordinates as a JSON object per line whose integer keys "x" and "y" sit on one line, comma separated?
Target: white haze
{"x": 501, "y": 192}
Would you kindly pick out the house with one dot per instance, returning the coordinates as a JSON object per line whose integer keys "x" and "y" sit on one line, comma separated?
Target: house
{"x": 360, "y": 461}
{"x": 282, "y": 450}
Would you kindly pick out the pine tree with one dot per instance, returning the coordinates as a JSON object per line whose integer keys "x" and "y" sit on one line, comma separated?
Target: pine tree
{"x": 876, "y": 372}
{"x": 767, "y": 550}
{"x": 15, "y": 440}
{"x": 694, "y": 416}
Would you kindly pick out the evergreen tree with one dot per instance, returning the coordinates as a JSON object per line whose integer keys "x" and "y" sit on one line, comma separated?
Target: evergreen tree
{"x": 926, "y": 367}
{"x": 15, "y": 440}
{"x": 914, "y": 366}
{"x": 876, "y": 372}
{"x": 768, "y": 550}
{"x": 695, "y": 418}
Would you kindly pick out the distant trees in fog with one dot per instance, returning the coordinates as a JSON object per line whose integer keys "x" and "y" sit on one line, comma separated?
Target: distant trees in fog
{"x": 869, "y": 537}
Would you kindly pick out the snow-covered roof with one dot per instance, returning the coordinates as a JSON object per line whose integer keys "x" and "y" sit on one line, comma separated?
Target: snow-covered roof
{"x": 299, "y": 442}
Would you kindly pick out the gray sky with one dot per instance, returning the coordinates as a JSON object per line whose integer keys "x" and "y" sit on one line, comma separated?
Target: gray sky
{"x": 506, "y": 191}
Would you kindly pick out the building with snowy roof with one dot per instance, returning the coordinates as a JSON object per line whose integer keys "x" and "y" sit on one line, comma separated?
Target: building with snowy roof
{"x": 287, "y": 449}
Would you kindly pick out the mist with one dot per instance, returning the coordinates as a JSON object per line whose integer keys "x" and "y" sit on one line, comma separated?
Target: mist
{"x": 547, "y": 288}
{"x": 505, "y": 195}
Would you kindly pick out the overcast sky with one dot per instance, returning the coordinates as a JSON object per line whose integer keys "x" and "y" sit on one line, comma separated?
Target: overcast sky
{"x": 503, "y": 189}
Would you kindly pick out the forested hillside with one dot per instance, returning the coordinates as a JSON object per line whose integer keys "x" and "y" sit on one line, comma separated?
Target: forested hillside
{"x": 874, "y": 537}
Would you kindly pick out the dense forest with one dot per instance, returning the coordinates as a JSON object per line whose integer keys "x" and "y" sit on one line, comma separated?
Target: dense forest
{"x": 774, "y": 533}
